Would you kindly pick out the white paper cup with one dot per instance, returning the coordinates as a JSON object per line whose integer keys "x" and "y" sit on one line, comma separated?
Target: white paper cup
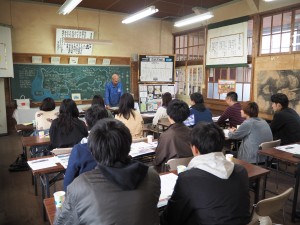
{"x": 226, "y": 131}
{"x": 150, "y": 138}
{"x": 180, "y": 169}
{"x": 237, "y": 126}
{"x": 41, "y": 134}
{"x": 229, "y": 157}
{"x": 59, "y": 198}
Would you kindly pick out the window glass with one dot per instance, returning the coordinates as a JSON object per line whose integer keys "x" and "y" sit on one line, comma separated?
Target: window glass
{"x": 286, "y": 22}
{"x": 265, "y": 46}
{"x": 276, "y": 24}
{"x": 275, "y": 43}
{"x": 285, "y": 42}
{"x": 266, "y": 25}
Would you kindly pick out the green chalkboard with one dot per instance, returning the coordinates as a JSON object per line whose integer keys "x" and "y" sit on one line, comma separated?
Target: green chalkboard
{"x": 37, "y": 81}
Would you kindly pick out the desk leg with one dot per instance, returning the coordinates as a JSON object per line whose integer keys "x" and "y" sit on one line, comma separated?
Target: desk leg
{"x": 256, "y": 190}
{"x": 295, "y": 199}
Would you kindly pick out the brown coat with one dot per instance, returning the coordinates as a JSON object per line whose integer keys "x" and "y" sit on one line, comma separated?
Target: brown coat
{"x": 173, "y": 143}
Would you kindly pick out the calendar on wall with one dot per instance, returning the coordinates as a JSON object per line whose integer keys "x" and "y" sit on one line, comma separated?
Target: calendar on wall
{"x": 62, "y": 47}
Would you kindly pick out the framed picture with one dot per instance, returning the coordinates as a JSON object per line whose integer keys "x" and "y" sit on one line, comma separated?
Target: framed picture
{"x": 76, "y": 96}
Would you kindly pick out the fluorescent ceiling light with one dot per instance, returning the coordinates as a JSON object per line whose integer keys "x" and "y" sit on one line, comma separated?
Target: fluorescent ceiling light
{"x": 68, "y": 6}
{"x": 193, "y": 19}
{"x": 141, "y": 14}
{"x": 87, "y": 41}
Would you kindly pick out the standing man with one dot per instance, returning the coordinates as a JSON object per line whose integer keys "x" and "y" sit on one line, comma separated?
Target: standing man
{"x": 233, "y": 112}
{"x": 286, "y": 121}
{"x": 113, "y": 91}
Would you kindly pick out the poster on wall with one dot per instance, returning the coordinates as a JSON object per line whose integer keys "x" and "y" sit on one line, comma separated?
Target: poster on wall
{"x": 73, "y": 48}
{"x": 6, "y": 61}
{"x": 271, "y": 82}
{"x": 226, "y": 86}
{"x": 227, "y": 45}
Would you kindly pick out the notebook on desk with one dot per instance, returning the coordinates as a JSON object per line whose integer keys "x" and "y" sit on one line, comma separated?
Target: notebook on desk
{"x": 167, "y": 185}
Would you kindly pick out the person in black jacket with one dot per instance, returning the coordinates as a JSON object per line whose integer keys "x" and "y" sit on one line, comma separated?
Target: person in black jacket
{"x": 212, "y": 190}
{"x": 67, "y": 130}
{"x": 286, "y": 121}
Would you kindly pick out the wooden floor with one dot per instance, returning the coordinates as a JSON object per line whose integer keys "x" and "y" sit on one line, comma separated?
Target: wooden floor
{"x": 19, "y": 205}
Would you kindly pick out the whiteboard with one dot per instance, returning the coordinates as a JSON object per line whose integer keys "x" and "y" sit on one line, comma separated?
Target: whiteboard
{"x": 156, "y": 68}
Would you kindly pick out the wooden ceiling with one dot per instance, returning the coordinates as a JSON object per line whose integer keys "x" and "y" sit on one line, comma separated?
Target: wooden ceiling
{"x": 168, "y": 9}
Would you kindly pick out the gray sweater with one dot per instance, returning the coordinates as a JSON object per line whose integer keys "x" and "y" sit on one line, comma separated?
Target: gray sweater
{"x": 252, "y": 132}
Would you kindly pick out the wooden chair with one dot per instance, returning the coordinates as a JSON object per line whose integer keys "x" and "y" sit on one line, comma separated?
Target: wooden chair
{"x": 266, "y": 207}
{"x": 173, "y": 163}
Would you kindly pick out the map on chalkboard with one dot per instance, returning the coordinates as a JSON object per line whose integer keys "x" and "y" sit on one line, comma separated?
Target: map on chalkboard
{"x": 60, "y": 81}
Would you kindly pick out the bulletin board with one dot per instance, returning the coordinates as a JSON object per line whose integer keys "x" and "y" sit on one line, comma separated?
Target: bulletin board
{"x": 150, "y": 96}
{"x": 158, "y": 69}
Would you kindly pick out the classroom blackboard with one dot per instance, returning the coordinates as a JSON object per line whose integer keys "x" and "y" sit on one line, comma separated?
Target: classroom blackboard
{"x": 36, "y": 81}
{"x": 159, "y": 68}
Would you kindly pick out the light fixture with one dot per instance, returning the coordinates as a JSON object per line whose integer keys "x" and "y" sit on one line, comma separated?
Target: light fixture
{"x": 193, "y": 19}
{"x": 141, "y": 14}
{"x": 87, "y": 41}
{"x": 68, "y": 6}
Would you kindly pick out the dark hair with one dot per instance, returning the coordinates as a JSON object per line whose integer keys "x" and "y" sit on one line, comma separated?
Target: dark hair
{"x": 126, "y": 106}
{"x": 67, "y": 112}
{"x": 232, "y": 95}
{"x": 207, "y": 137}
{"x": 178, "y": 110}
{"x": 280, "y": 98}
{"x": 48, "y": 104}
{"x": 95, "y": 113}
{"x": 110, "y": 141}
{"x": 98, "y": 100}
{"x": 166, "y": 98}
{"x": 251, "y": 109}
{"x": 199, "y": 101}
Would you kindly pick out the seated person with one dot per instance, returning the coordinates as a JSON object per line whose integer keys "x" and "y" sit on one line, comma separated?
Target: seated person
{"x": 198, "y": 112}
{"x": 129, "y": 116}
{"x": 175, "y": 141}
{"x": 212, "y": 190}
{"x": 119, "y": 190}
{"x": 98, "y": 100}
{"x": 233, "y": 112}
{"x": 47, "y": 113}
{"x": 81, "y": 159}
{"x": 253, "y": 131}
{"x": 286, "y": 121}
{"x": 162, "y": 111}
{"x": 67, "y": 130}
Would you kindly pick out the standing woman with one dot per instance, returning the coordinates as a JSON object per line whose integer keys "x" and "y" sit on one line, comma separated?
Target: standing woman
{"x": 162, "y": 111}
{"x": 67, "y": 130}
{"x": 253, "y": 131}
{"x": 129, "y": 116}
{"x": 46, "y": 115}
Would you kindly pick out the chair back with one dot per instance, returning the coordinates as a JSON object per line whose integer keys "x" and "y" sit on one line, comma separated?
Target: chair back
{"x": 270, "y": 144}
{"x": 173, "y": 163}
{"x": 267, "y": 207}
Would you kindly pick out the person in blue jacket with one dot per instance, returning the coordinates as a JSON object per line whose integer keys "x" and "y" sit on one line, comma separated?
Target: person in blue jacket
{"x": 113, "y": 91}
{"x": 81, "y": 159}
{"x": 198, "y": 111}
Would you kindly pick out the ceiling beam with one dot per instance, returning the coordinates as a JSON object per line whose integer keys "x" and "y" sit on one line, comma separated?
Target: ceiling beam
{"x": 253, "y": 4}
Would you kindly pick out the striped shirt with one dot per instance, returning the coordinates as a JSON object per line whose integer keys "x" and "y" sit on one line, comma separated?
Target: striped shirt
{"x": 233, "y": 114}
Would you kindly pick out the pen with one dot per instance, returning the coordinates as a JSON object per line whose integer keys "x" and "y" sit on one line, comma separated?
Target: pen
{"x": 42, "y": 160}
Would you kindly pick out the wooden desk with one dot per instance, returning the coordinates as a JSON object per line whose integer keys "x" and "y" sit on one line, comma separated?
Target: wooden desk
{"x": 35, "y": 141}
{"x": 22, "y": 127}
{"x": 255, "y": 173}
{"x": 286, "y": 157}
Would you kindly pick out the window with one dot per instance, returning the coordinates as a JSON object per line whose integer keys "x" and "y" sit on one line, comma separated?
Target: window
{"x": 190, "y": 46}
{"x": 277, "y": 30}
{"x": 241, "y": 75}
